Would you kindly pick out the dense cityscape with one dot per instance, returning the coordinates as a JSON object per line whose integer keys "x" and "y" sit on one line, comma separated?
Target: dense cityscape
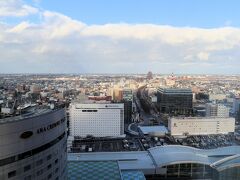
{"x": 119, "y": 90}
{"x": 128, "y": 117}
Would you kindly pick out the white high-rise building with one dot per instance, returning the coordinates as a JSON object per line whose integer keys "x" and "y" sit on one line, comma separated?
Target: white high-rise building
{"x": 222, "y": 111}
{"x": 200, "y": 126}
{"x": 96, "y": 119}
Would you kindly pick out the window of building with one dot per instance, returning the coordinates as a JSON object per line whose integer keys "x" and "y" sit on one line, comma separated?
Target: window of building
{"x": 56, "y": 170}
{"x": 39, "y": 172}
{"x": 12, "y": 174}
{"x": 49, "y": 166}
{"x": 49, "y": 157}
{"x": 49, "y": 176}
{"x": 56, "y": 161}
{"x": 27, "y": 168}
{"x": 28, "y": 177}
{"x": 39, "y": 162}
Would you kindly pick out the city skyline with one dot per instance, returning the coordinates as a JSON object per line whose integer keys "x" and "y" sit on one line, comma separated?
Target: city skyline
{"x": 119, "y": 90}
{"x": 88, "y": 37}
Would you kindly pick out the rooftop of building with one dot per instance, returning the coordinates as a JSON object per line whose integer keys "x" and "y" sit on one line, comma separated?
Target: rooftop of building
{"x": 151, "y": 129}
{"x": 175, "y": 90}
{"x": 202, "y": 118}
{"x": 90, "y": 101}
{"x": 93, "y": 170}
{"x": 132, "y": 175}
{"x": 218, "y": 158}
{"x": 131, "y": 160}
{"x": 96, "y": 170}
{"x": 159, "y": 156}
{"x": 96, "y": 104}
{"x": 29, "y": 113}
{"x": 84, "y": 99}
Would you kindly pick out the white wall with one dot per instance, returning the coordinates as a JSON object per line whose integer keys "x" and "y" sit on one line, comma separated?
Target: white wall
{"x": 201, "y": 126}
{"x": 104, "y": 120}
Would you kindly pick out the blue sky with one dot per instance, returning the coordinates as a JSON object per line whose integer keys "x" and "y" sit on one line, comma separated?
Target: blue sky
{"x": 127, "y": 36}
{"x": 196, "y": 13}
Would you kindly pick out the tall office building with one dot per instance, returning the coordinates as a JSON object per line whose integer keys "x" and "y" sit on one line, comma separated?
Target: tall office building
{"x": 127, "y": 101}
{"x": 96, "y": 119}
{"x": 175, "y": 101}
{"x": 238, "y": 115}
{"x": 216, "y": 110}
{"x": 236, "y": 105}
{"x": 149, "y": 75}
{"x": 33, "y": 145}
{"x": 211, "y": 110}
{"x": 35, "y": 88}
{"x": 222, "y": 111}
{"x": 117, "y": 94}
{"x": 127, "y": 94}
{"x": 124, "y": 96}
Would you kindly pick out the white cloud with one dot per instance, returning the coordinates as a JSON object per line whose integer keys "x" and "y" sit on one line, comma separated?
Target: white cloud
{"x": 61, "y": 44}
{"x": 20, "y": 27}
{"x": 203, "y": 56}
{"x": 59, "y": 25}
{"x": 15, "y": 8}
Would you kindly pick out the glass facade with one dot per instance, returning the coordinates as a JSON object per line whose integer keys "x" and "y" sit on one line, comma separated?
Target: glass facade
{"x": 127, "y": 112}
{"x": 229, "y": 174}
{"x": 175, "y": 101}
{"x": 189, "y": 171}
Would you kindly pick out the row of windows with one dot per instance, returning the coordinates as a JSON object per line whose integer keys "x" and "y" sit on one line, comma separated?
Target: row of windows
{"x": 40, "y": 172}
{"x": 31, "y": 152}
{"x": 90, "y": 110}
{"x": 13, "y": 173}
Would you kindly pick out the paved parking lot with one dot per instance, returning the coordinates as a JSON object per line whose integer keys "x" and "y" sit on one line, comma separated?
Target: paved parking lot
{"x": 146, "y": 142}
{"x": 107, "y": 145}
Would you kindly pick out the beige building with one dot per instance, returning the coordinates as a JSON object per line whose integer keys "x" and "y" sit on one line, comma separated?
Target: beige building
{"x": 200, "y": 126}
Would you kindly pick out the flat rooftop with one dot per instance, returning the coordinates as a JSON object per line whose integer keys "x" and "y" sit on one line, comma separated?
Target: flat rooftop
{"x": 175, "y": 90}
{"x": 100, "y": 170}
{"x": 151, "y": 129}
{"x": 202, "y": 118}
{"x": 133, "y": 175}
{"x": 131, "y": 160}
{"x": 90, "y": 101}
{"x": 94, "y": 170}
{"x": 152, "y": 160}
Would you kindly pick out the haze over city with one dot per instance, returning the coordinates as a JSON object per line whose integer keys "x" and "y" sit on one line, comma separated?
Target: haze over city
{"x": 39, "y": 36}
